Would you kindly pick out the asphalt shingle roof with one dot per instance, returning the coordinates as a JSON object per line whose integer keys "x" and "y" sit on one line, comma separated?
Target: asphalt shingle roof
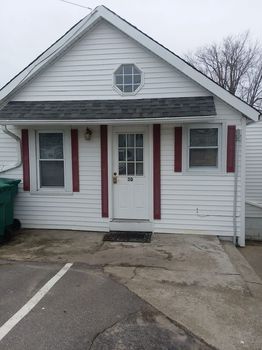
{"x": 109, "y": 109}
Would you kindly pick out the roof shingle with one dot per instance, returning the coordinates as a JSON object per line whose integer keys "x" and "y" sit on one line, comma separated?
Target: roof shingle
{"x": 109, "y": 109}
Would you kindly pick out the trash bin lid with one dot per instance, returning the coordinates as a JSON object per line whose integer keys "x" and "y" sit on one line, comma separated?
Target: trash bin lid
{"x": 4, "y": 187}
{"x": 7, "y": 181}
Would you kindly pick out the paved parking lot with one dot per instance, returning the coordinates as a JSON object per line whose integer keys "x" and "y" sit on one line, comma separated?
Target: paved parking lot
{"x": 83, "y": 310}
{"x": 129, "y": 295}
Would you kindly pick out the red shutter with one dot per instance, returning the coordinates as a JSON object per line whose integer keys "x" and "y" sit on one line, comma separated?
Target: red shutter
{"x": 25, "y": 160}
{"x": 75, "y": 160}
{"x": 231, "y": 148}
{"x": 104, "y": 170}
{"x": 178, "y": 149}
{"x": 156, "y": 172}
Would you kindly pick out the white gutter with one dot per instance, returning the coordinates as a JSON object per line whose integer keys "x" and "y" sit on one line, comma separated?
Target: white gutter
{"x": 19, "y": 160}
{"x": 235, "y": 188}
{"x": 107, "y": 121}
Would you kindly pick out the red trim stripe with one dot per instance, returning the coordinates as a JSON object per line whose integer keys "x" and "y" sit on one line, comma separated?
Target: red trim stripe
{"x": 231, "y": 148}
{"x": 178, "y": 149}
{"x": 156, "y": 172}
{"x": 25, "y": 159}
{"x": 104, "y": 170}
{"x": 75, "y": 160}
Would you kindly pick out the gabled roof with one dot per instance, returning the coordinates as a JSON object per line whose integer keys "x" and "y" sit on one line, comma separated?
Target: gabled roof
{"x": 101, "y": 12}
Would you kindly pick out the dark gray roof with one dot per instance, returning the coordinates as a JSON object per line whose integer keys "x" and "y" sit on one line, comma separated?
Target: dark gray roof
{"x": 109, "y": 109}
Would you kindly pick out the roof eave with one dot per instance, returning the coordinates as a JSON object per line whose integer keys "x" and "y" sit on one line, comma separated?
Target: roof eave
{"x": 107, "y": 121}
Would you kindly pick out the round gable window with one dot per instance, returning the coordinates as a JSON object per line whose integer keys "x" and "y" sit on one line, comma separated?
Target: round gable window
{"x": 127, "y": 78}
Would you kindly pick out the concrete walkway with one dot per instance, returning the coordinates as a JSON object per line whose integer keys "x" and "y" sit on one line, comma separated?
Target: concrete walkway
{"x": 190, "y": 279}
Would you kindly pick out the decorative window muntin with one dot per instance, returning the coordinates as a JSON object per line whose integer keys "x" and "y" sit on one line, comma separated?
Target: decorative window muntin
{"x": 128, "y": 78}
{"x": 131, "y": 154}
{"x": 51, "y": 161}
{"x": 203, "y": 147}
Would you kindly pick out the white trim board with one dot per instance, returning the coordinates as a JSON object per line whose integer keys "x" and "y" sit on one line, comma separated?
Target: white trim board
{"x": 101, "y": 12}
{"x": 106, "y": 121}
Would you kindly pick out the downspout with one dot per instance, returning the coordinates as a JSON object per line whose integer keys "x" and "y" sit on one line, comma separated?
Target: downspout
{"x": 19, "y": 160}
{"x": 238, "y": 136}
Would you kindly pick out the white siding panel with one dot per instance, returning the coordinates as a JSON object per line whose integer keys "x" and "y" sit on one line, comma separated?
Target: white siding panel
{"x": 254, "y": 169}
{"x": 194, "y": 203}
{"x": 85, "y": 71}
{"x": 81, "y": 211}
{"x": 8, "y": 149}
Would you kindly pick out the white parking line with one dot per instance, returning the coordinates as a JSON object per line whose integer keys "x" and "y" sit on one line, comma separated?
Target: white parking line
{"x": 17, "y": 317}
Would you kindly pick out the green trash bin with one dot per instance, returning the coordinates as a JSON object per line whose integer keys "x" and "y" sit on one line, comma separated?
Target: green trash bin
{"x": 8, "y": 191}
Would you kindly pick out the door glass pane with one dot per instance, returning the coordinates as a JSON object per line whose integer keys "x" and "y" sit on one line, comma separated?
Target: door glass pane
{"x": 130, "y": 140}
{"x": 139, "y": 154}
{"x": 139, "y": 140}
{"x": 203, "y": 157}
{"x": 51, "y": 173}
{"x": 130, "y": 168}
{"x": 51, "y": 145}
{"x": 122, "y": 169}
{"x": 203, "y": 137}
{"x": 139, "y": 169}
{"x": 122, "y": 140}
{"x": 130, "y": 154}
{"x": 122, "y": 154}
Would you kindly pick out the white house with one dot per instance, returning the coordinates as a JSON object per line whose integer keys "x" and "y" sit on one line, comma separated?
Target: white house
{"x": 254, "y": 181}
{"x": 119, "y": 133}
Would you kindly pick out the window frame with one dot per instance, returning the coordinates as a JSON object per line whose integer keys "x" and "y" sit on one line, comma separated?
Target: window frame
{"x": 123, "y": 93}
{"x": 203, "y": 169}
{"x": 34, "y": 147}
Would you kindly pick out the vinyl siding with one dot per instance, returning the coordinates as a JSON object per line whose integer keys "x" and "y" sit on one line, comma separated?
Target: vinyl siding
{"x": 195, "y": 203}
{"x": 254, "y": 170}
{"x": 8, "y": 149}
{"x": 86, "y": 70}
{"x": 80, "y": 211}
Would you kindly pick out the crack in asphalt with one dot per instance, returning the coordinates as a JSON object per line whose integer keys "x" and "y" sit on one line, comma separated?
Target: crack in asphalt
{"x": 111, "y": 326}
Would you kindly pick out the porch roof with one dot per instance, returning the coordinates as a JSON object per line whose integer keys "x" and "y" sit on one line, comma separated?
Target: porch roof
{"x": 109, "y": 109}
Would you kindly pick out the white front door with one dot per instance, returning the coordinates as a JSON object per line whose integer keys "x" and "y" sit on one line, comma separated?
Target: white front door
{"x": 130, "y": 174}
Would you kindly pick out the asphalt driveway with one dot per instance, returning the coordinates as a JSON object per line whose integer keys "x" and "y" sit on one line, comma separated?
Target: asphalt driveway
{"x": 198, "y": 284}
{"x": 83, "y": 310}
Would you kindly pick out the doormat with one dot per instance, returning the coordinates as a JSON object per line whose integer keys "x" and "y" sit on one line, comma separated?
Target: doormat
{"x": 128, "y": 236}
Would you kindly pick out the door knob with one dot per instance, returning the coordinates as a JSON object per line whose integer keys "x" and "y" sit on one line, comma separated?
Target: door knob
{"x": 115, "y": 178}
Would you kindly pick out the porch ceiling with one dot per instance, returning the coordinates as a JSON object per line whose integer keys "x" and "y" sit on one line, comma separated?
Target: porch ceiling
{"x": 87, "y": 110}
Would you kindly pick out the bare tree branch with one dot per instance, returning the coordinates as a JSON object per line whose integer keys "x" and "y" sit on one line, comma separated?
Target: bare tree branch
{"x": 235, "y": 64}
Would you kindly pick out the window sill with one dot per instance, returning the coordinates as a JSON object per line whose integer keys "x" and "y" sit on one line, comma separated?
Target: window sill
{"x": 51, "y": 193}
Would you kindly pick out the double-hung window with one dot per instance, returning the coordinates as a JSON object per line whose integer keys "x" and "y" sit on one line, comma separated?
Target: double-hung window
{"x": 51, "y": 162}
{"x": 203, "y": 147}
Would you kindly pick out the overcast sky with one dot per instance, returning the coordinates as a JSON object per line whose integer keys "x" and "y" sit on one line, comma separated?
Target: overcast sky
{"x": 28, "y": 27}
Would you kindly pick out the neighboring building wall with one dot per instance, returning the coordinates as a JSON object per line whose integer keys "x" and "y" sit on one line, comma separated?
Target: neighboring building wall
{"x": 86, "y": 71}
{"x": 254, "y": 181}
